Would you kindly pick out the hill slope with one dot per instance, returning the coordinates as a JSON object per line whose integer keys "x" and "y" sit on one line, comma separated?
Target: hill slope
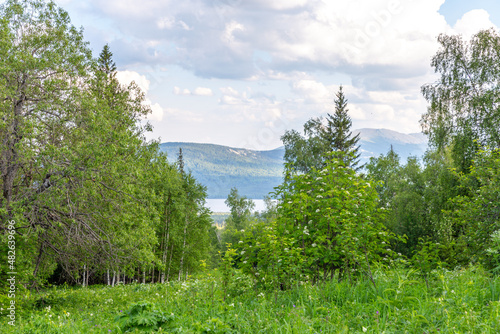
{"x": 256, "y": 173}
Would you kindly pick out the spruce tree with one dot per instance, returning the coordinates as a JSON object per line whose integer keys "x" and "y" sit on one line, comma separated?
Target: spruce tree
{"x": 304, "y": 153}
{"x": 338, "y": 135}
{"x": 106, "y": 63}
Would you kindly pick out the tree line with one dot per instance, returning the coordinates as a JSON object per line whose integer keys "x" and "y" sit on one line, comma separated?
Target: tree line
{"x": 92, "y": 200}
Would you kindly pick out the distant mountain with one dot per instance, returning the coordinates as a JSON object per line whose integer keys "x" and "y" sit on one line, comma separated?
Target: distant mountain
{"x": 256, "y": 173}
{"x": 374, "y": 142}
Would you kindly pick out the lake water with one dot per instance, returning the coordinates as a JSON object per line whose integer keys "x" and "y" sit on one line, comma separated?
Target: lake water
{"x": 218, "y": 205}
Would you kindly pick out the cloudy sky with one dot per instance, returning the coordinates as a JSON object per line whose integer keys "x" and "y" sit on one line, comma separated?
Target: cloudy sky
{"x": 241, "y": 72}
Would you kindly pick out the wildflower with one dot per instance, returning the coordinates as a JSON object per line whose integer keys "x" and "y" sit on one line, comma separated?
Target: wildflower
{"x": 240, "y": 242}
{"x": 314, "y": 245}
{"x": 244, "y": 262}
{"x": 242, "y": 252}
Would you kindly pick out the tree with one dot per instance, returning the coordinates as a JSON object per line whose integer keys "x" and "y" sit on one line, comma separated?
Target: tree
{"x": 464, "y": 110}
{"x": 239, "y": 219}
{"x": 106, "y": 63}
{"x": 384, "y": 171}
{"x": 305, "y": 153}
{"x": 475, "y": 217}
{"x": 328, "y": 220}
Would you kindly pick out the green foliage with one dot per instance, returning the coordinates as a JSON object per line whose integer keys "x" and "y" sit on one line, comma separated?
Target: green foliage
{"x": 463, "y": 110}
{"x": 87, "y": 193}
{"x": 271, "y": 258}
{"x": 144, "y": 317}
{"x": 475, "y": 215}
{"x": 327, "y": 221}
{"x": 494, "y": 251}
{"x": 240, "y": 218}
{"x": 311, "y": 152}
{"x": 427, "y": 259}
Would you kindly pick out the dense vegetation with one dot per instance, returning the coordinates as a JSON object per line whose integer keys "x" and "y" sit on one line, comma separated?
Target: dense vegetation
{"x": 86, "y": 200}
{"x": 461, "y": 301}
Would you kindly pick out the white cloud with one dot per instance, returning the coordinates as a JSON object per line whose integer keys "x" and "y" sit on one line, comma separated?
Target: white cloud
{"x": 473, "y": 21}
{"x": 203, "y": 91}
{"x": 198, "y": 91}
{"x": 299, "y": 48}
{"x": 311, "y": 91}
{"x": 178, "y": 91}
{"x": 126, "y": 78}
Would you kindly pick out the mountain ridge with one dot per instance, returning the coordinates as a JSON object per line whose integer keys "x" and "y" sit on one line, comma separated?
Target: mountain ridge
{"x": 255, "y": 173}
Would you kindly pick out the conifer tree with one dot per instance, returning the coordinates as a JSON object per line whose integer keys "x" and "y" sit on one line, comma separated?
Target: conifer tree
{"x": 106, "y": 63}
{"x": 305, "y": 153}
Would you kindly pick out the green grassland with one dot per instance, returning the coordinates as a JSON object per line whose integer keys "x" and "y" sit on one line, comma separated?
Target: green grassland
{"x": 459, "y": 301}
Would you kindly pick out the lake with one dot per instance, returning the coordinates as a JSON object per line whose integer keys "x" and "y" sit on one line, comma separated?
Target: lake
{"x": 218, "y": 205}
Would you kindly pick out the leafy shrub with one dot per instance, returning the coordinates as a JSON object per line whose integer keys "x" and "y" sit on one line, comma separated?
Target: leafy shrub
{"x": 494, "y": 252}
{"x": 144, "y": 317}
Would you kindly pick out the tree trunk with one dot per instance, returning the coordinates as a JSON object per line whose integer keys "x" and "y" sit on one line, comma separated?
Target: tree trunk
{"x": 183, "y": 250}
{"x": 165, "y": 239}
{"x": 10, "y": 154}
{"x": 84, "y": 271}
{"x": 170, "y": 262}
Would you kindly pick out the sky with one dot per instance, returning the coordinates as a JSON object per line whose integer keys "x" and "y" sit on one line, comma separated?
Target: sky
{"x": 241, "y": 72}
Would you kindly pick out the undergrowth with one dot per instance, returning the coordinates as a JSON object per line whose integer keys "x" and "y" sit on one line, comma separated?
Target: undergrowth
{"x": 459, "y": 301}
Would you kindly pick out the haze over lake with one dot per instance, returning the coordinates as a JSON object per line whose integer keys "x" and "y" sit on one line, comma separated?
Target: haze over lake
{"x": 218, "y": 205}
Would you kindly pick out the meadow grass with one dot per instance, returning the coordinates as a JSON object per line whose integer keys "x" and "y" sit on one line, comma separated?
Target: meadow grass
{"x": 459, "y": 301}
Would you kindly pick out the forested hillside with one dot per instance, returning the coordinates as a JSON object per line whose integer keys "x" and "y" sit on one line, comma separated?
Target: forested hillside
{"x": 220, "y": 168}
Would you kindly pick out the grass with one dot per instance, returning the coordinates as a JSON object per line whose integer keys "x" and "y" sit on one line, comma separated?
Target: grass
{"x": 459, "y": 301}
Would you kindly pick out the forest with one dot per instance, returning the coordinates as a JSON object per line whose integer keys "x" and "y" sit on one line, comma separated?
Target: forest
{"x": 100, "y": 233}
